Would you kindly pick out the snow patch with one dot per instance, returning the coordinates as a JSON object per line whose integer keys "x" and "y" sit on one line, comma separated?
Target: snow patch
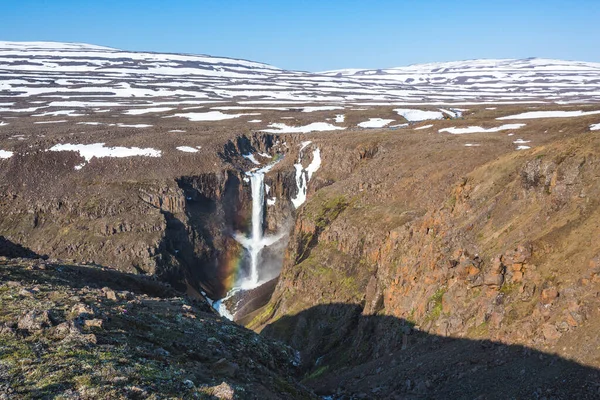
{"x": 303, "y": 175}
{"x": 478, "y": 129}
{"x": 314, "y": 127}
{"x": 251, "y": 158}
{"x": 321, "y": 108}
{"x": 132, "y": 125}
{"x": 141, "y": 111}
{"x": 69, "y": 113}
{"x": 549, "y": 114}
{"x": 210, "y": 116}
{"x": 593, "y": 127}
{"x": 187, "y": 149}
{"x": 375, "y": 123}
{"x": 51, "y": 122}
{"x": 4, "y": 154}
{"x": 89, "y": 151}
{"x": 412, "y": 115}
{"x": 423, "y": 127}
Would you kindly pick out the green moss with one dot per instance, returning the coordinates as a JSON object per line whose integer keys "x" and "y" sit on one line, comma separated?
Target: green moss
{"x": 436, "y": 310}
{"x": 479, "y": 331}
{"x": 330, "y": 210}
{"x": 508, "y": 288}
{"x": 451, "y": 202}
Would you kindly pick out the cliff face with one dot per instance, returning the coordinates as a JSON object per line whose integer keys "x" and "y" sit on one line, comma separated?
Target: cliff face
{"x": 177, "y": 227}
{"x": 492, "y": 244}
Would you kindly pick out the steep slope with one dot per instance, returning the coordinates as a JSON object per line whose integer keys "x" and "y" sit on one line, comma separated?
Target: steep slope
{"x": 424, "y": 234}
{"x": 77, "y": 331}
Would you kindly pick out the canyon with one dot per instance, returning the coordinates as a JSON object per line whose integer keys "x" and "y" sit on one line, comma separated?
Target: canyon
{"x": 379, "y": 247}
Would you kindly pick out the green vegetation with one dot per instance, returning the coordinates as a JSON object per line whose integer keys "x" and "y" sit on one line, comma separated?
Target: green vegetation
{"x": 330, "y": 210}
{"x": 451, "y": 202}
{"x": 147, "y": 343}
{"x": 436, "y": 309}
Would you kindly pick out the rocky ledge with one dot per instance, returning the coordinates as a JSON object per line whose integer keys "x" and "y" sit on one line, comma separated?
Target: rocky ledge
{"x": 75, "y": 331}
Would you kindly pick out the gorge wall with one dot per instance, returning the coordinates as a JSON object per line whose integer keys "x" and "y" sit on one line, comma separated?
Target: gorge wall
{"x": 179, "y": 228}
{"x": 495, "y": 244}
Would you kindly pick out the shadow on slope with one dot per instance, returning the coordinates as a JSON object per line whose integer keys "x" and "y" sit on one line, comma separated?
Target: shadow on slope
{"x": 349, "y": 355}
{"x": 14, "y": 250}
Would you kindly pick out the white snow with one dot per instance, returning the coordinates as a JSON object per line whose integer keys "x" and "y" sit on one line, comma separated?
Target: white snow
{"x": 271, "y": 201}
{"x": 70, "y": 113}
{"x": 72, "y": 70}
{"x": 141, "y": 111}
{"x": 313, "y": 127}
{"x": 2, "y": 123}
{"x": 187, "y": 149}
{"x": 89, "y": 151}
{"x": 412, "y": 115}
{"x": 340, "y": 118}
{"x": 472, "y": 144}
{"x": 133, "y": 125}
{"x": 251, "y": 158}
{"x": 176, "y": 131}
{"x": 523, "y": 147}
{"x": 595, "y": 127}
{"x": 30, "y": 109}
{"x": 549, "y": 114}
{"x": 423, "y": 127}
{"x": 303, "y": 175}
{"x": 375, "y": 123}
{"x": 454, "y": 113}
{"x": 478, "y": 129}
{"x": 210, "y": 116}
{"x": 521, "y": 141}
{"x": 255, "y": 121}
{"x": 51, "y": 122}
{"x": 4, "y": 154}
{"x": 120, "y": 125}
{"x": 315, "y": 164}
{"x": 303, "y": 145}
{"x": 321, "y": 108}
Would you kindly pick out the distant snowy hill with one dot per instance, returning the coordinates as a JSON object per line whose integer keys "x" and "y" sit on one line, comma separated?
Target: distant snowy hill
{"x": 60, "y": 73}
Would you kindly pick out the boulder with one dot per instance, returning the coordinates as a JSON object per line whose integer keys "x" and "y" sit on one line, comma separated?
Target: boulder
{"x": 34, "y": 321}
{"x": 549, "y": 295}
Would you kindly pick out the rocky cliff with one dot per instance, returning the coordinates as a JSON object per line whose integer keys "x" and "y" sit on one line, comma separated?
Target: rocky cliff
{"x": 178, "y": 227}
{"x": 442, "y": 240}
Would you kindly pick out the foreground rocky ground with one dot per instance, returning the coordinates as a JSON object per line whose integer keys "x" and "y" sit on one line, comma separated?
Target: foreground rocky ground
{"x": 71, "y": 331}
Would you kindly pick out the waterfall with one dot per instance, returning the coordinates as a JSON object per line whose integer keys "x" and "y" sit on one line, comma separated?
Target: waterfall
{"x": 257, "y": 183}
{"x": 256, "y": 241}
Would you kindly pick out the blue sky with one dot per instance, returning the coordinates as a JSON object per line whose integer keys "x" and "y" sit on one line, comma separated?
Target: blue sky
{"x": 319, "y": 35}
